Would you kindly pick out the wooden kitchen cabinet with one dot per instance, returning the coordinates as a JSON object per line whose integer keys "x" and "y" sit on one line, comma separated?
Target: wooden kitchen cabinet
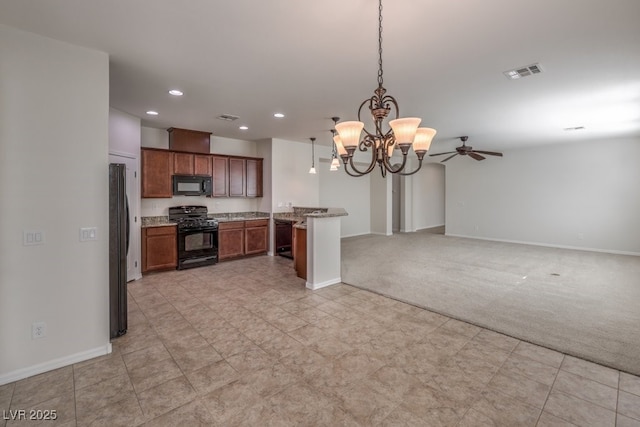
{"x": 256, "y": 236}
{"x": 192, "y": 141}
{"x": 220, "y": 174}
{"x": 242, "y": 238}
{"x": 300, "y": 251}
{"x": 156, "y": 166}
{"x": 159, "y": 248}
{"x": 237, "y": 175}
{"x": 232, "y": 176}
{"x": 254, "y": 177}
{"x": 191, "y": 164}
{"x": 230, "y": 240}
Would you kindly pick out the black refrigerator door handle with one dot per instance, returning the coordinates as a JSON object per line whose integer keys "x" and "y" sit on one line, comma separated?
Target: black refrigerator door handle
{"x": 126, "y": 200}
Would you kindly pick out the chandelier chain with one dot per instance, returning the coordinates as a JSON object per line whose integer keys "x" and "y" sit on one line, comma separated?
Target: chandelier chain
{"x": 380, "y": 42}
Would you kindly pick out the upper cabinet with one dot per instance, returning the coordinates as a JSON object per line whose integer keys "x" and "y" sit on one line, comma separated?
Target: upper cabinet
{"x": 237, "y": 177}
{"x": 191, "y": 164}
{"x": 192, "y": 141}
{"x": 254, "y": 177}
{"x": 220, "y": 175}
{"x": 232, "y": 176}
{"x": 156, "y": 168}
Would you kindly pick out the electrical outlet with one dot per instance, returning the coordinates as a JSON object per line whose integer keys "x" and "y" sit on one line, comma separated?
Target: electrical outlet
{"x": 38, "y": 330}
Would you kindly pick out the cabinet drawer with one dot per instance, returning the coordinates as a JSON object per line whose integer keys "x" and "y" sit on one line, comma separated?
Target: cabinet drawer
{"x": 230, "y": 225}
{"x": 257, "y": 223}
{"x": 161, "y": 231}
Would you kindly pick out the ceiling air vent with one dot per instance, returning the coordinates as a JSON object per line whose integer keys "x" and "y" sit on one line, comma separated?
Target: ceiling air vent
{"x": 525, "y": 71}
{"x": 227, "y": 117}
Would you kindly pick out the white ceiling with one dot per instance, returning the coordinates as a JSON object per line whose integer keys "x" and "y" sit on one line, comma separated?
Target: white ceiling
{"x": 443, "y": 61}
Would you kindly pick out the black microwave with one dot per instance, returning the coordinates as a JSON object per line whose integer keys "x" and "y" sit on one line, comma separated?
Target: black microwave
{"x": 192, "y": 185}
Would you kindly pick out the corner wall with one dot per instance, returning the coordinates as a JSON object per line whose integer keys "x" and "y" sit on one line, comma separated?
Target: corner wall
{"x": 54, "y": 112}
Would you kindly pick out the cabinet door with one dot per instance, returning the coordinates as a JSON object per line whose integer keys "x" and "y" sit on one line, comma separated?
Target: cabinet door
{"x": 254, "y": 177}
{"x": 192, "y": 141}
{"x": 201, "y": 164}
{"x": 300, "y": 252}
{"x": 156, "y": 168}
{"x": 255, "y": 240}
{"x": 182, "y": 164}
{"x": 220, "y": 176}
{"x": 159, "y": 248}
{"x": 230, "y": 243}
{"x": 237, "y": 174}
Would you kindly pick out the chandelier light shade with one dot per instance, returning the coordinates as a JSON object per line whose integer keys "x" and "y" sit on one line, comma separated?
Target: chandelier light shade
{"x": 403, "y": 134}
{"x": 423, "y": 138}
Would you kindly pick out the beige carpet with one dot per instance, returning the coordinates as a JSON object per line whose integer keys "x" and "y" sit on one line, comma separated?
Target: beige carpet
{"x": 585, "y": 304}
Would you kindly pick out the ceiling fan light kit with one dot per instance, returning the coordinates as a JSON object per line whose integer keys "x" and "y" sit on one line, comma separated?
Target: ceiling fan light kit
{"x": 404, "y": 132}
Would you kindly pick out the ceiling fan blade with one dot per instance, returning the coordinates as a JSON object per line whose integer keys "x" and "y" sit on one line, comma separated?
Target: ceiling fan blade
{"x": 448, "y": 157}
{"x": 473, "y": 155}
{"x": 440, "y": 154}
{"x": 491, "y": 153}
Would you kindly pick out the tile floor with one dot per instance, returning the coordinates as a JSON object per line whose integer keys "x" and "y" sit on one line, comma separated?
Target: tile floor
{"x": 244, "y": 343}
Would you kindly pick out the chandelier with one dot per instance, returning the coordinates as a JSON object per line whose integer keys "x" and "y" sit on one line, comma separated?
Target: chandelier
{"x": 404, "y": 132}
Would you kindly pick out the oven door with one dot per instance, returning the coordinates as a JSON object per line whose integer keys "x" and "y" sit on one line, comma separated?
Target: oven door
{"x": 197, "y": 247}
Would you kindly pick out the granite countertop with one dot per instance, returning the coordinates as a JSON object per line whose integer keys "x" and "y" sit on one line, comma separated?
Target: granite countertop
{"x": 327, "y": 213}
{"x": 155, "y": 221}
{"x": 162, "y": 221}
{"x": 239, "y": 216}
{"x": 298, "y": 217}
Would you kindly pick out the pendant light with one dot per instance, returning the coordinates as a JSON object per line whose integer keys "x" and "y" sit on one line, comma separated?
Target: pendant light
{"x": 313, "y": 157}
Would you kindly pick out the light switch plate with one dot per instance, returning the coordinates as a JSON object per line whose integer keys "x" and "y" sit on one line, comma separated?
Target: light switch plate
{"x": 32, "y": 237}
{"x": 88, "y": 233}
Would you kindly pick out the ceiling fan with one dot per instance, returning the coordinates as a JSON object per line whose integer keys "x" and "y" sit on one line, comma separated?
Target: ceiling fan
{"x": 465, "y": 150}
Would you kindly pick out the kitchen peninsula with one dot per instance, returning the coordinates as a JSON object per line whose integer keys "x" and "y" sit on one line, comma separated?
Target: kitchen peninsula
{"x": 322, "y": 239}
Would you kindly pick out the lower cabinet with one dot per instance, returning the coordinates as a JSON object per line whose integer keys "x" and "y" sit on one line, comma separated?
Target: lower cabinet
{"x": 159, "y": 248}
{"x": 241, "y": 238}
{"x": 300, "y": 251}
{"x": 256, "y": 237}
{"x": 230, "y": 240}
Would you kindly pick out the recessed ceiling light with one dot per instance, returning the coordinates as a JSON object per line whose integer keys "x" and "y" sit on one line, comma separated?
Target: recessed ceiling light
{"x": 176, "y": 92}
{"x": 152, "y": 113}
{"x": 244, "y": 128}
{"x": 278, "y": 115}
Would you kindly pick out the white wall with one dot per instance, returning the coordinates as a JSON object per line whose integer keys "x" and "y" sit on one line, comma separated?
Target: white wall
{"x": 292, "y": 182}
{"x": 580, "y": 195}
{"x": 159, "y": 138}
{"x": 54, "y": 112}
{"x": 124, "y": 134}
{"x": 339, "y": 190}
{"x": 428, "y": 194}
{"x": 381, "y": 213}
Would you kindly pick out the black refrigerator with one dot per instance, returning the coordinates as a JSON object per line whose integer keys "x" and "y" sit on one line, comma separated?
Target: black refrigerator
{"x": 118, "y": 248}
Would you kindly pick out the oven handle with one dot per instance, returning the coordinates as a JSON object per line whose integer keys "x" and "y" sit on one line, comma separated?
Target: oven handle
{"x": 196, "y": 230}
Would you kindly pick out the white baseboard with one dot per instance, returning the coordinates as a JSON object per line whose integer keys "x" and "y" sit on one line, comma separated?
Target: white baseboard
{"x": 354, "y": 235}
{"x": 548, "y": 245}
{"x": 40, "y": 368}
{"x": 324, "y": 284}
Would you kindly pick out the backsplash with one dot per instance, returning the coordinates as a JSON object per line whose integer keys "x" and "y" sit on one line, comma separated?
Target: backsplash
{"x": 160, "y": 207}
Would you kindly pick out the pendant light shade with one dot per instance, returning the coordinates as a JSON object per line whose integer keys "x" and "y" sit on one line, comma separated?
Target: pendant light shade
{"x": 313, "y": 157}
